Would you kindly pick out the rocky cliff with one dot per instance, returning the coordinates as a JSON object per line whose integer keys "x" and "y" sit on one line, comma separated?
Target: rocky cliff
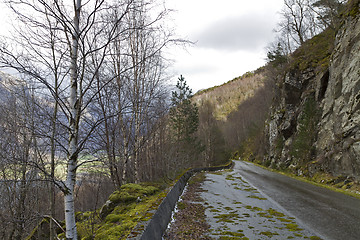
{"x": 315, "y": 120}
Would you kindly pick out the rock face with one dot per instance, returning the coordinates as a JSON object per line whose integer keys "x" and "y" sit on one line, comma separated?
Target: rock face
{"x": 338, "y": 142}
{"x": 315, "y": 123}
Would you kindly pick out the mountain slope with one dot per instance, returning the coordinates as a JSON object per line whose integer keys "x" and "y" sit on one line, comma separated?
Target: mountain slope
{"x": 227, "y": 97}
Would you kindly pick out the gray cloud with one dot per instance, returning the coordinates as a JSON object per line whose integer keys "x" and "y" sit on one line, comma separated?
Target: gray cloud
{"x": 247, "y": 32}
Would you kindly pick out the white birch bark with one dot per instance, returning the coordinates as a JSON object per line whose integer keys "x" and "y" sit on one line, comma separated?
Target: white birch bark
{"x": 71, "y": 232}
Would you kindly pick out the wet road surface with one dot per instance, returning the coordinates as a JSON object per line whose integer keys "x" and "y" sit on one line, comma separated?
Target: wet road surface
{"x": 249, "y": 202}
{"x": 325, "y": 213}
{"x": 237, "y": 210}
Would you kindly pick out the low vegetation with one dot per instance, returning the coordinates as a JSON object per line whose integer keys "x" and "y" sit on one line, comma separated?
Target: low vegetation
{"x": 314, "y": 53}
{"x": 126, "y": 207}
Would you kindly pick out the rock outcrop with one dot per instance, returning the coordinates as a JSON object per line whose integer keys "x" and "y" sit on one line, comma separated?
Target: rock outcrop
{"x": 338, "y": 142}
{"x": 315, "y": 123}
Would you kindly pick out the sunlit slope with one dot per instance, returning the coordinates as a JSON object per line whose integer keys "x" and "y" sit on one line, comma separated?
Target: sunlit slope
{"x": 227, "y": 97}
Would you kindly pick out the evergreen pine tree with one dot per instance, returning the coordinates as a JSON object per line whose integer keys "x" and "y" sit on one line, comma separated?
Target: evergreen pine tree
{"x": 184, "y": 122}
{"x": 184, "y": 116}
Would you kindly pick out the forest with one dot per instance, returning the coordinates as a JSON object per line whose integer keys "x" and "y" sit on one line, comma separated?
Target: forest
{"x": 91, "y": 110}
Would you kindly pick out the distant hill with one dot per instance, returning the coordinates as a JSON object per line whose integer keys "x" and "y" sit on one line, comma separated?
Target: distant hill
{"x": 227, "y": 97}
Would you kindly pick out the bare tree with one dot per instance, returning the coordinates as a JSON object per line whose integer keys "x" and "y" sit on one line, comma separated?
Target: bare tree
{"x": 303, "y": 19}
{"x": 295, "y": 21}
{"x": 19, "y": 191}
{"x": 326, "y": 12}
{"x": 133, "y": 103}
{"x": 48, "y": 28}
{"x": 77, "y": 54}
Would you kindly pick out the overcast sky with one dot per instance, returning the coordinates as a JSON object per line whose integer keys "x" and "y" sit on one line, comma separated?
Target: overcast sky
{"x": 230, "y": 38}
{"x": 230, "y": 35}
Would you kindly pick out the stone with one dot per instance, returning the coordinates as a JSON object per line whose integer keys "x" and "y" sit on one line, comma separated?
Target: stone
{"x": 336, "y": 91}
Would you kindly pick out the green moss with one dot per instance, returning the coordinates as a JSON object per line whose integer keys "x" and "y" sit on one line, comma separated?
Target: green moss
{"x": 315, "y": 238}
{"x": 143, "y": 188}
{"x": 233, "y": 238}
{"x": 131, "y": 204}
{"x": 214, "y": 210}
{"x": 284, "y": 220}
{"x": 112, "y": 218}
{"x": 273, "y": 212}
{"x": 250, "y": 189}
{"x": 269, "y": 234}
{"x": 230, "y": 178}
{"x": 200, "y": 177}
{"x": 352, "y": 9}
{"x": 118, "y": 197}
{"x": 131, "y": 192}
{"x": 230, "y": 217}
{"x": 314, "y": 53}
{"x": 39, "y": 229}
{"x": 293, "y": 227}
{"x": 112, "y": 232}
{"x": 253, "y": 209}
{"x": 231, "y": 235}
{"x": 235, "y": 234}
{"x": 181, "y": 205}
{"x": 256, "y": 197}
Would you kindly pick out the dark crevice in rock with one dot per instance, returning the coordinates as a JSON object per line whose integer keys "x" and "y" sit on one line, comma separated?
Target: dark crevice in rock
{"x": 323, "y": 85}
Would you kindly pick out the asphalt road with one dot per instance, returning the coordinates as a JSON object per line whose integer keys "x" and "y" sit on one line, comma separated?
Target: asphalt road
{"x": 237, "y": 210}
{"x": 327, "y": 214}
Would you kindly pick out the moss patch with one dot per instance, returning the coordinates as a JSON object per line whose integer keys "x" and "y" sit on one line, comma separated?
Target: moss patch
{"x": 131, "y": 204}
{"x": 256, "y": 197}
{"x": 293, "y": 227}
{"x": 269, "y": 234}
{"x": 314, "y": 53}
{"x": 229, "y": 217}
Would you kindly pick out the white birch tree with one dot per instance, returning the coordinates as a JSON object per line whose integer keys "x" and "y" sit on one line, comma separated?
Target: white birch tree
{"x": 78, "y": 28}
{"x": 66, "y": 49}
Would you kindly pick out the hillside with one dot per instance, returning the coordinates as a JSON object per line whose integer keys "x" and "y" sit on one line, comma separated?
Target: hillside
{"x": 227, "y": 97}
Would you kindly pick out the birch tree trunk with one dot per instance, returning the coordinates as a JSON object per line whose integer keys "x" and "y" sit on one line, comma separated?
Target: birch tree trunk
{"x": 71, "y": 232}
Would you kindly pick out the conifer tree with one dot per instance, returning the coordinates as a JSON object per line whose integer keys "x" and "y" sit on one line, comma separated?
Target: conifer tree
{"x": 184, "y": 116}
{"x": 184, "y": 122}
